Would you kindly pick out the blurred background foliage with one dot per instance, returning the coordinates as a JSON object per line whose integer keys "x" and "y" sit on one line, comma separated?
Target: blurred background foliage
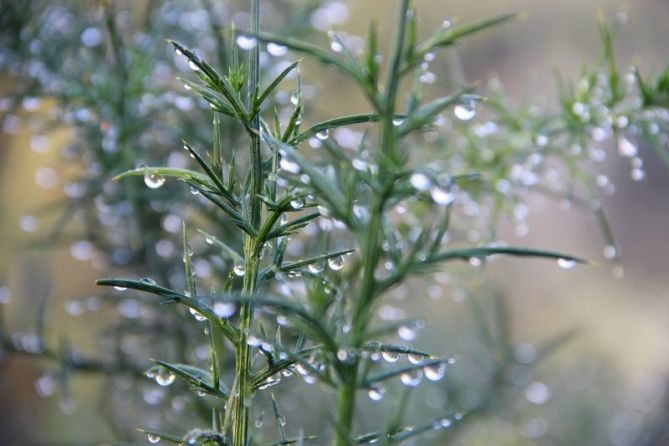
{"x": 607, "y": 385}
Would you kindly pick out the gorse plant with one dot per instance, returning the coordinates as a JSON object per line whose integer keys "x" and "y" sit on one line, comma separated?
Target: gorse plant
{"x": 411, "y": 193}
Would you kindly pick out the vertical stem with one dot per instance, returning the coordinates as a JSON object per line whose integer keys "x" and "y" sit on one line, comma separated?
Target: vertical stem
{"x": 251, "y": 253}
{"x": 371, "y": 249}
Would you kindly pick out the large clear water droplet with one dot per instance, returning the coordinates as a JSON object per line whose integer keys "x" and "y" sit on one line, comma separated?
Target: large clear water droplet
{"x": 165, "y": 377}
{"x": 420, "y": 181}
{"x": 315, "y": 268}
{"x": 297, "y": 203}
{"x": 224, "y": 309}
{"x": 323, "y": 134}
{"x": 415, "y": 358}
{"x": 376, "y": 392}
{"x": 435, "y": 372}
{"x": 335, "y": 44}
{"x": 407, "y": 333}
{"x": 626, "y": 148}
{"x": 390, "y": 356}
{"x": 441, "y": 196}
{"x": 295, "y": 98}
{"x": 247, "y": 43}
{"x": 289, "y": 166}
{"x": 465, "y": 110}
{"x": 153, "y": 181}
{"x": 239, "y": 270}
{"x": 412, "y": 378}
{"x": 193, "y": 66}
{"x": 336, "y": 263}
{"x": 566, "y": 263}
{"x": 277, "y": 50}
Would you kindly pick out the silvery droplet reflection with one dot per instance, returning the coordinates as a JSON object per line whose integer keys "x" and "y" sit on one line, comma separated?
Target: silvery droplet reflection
{"x": 153, "y": 181}
{"x": 435, "y": 372}
{"x": 566, "y": 263}
{"x": 247, "y": 43}
{"x": 465, "y": 110}
{"x": 376, "y": 392}
{"x": 336, "y": 263}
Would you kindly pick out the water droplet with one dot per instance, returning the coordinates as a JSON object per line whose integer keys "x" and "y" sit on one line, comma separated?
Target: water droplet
{"x": 153, "y": 439}
{"x": 295, "y": 98}
{"x": 297, "y": 203}
{"x": 247, "y": 43}
{"x": 441, "y": 196}
{"x": 335, "y": 44}
{"x": 289, "y": 166}
{"x": 270, "y": 382}
{"x": 376, "y": 392}
{"x": 420, "y": 181}
{"x": 153, "y": 181}
{"x": 429, "y": 57}
{"x": 626, "y": 148}
{"x": 29, "y": 223}
{"x": 465, "y": 110}
{"x": 398, "y": 122}
{"x": 164, "y": 377}
{"x": 120, "y": 288}
{"x": 193, "y": 66}
{"x": 46, "y": 385}
{"x": 415, "y": 358}
{"x": 323, "y": 134}
{"x": 336, "y": 263}
{"x": 239, "y": 270}
{"x": 435, "y": 372}
{"x": 282, "y": 420}
{"x": 637, "y": 174}
{"x": 315, "y": 268}
{"x": 413, "y": 378}
{"x": 407, "y": 333}
{"x": 390, "y": 356}
{"x": 277, "y": 50}
{"x": 566, "y": 263}
{"x": 428, "y": 77}
{"x": 445, "y": 423}
{"x": 610, "y": 252}
{"x": 224, "y": 309}
{"x": 258, "y": 423}
{"x": 197, "y": 315}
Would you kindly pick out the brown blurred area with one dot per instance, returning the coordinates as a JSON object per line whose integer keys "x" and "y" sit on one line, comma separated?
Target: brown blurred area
{"x": 625, "y": 321}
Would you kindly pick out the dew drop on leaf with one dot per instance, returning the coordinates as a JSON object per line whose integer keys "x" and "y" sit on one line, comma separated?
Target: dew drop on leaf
{"x": 224, "y": 309}
{"x": 297, "y": 203}
{"x": 315, "y": 268}
{"x": 336, "y": 263}
{"x": 246, "y": 43}
{"x": 420, "y": 181}
{"x": 465, "y": 110}
{"x": 153, "y": 181}
{"x": 239, "y": 270}
{"x": 276, "y": 50}
{"x": 197, "y": 315}
{"x": 412, "y": 378}
{"x": 323, "y": 134}
{"x": 390, "y": 356}
{"x": 435, "y": 372}
{"x": 376, "y": 392}
{"x": 165, "y": 377}
{"x": 566, "y": 263}
{"x": 153, "y": 438}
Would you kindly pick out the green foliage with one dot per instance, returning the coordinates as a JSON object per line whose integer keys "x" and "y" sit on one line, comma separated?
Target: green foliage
{"x": 389, "y": 206}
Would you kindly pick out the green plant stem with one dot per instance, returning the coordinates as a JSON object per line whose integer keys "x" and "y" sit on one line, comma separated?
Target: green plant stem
{"x": 371, "y": 243}
{"x": 251, "y": 253}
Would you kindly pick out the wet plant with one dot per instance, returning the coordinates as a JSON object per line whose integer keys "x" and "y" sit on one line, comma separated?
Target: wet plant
{"x": 317, "y": 225}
